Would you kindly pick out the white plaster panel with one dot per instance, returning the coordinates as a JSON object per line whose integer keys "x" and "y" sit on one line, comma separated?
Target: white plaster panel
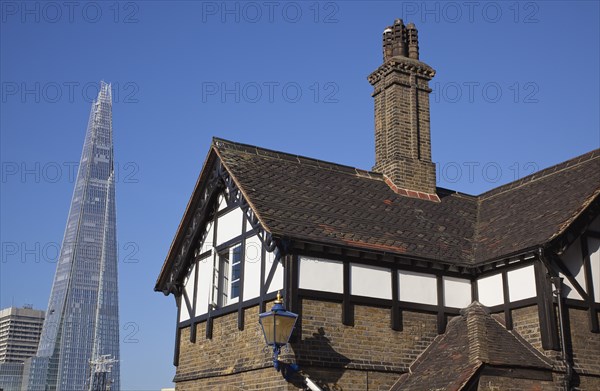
{"x": 568, "y": 290}
{"x": 189, "y": 282}
{"x": 253, "y": 250}
{"x": 208, "y": 241}
{"x": 188, "y": 286}
{"x": 574, "y": 262}
{"x": 222, "y": 202}
{"x": 490, "y": 290}
{"x": 457, "y": 292}
{"x": 277, "y": 282}
{"x": 183, "y": 314}
{"x": 252, "y": 267}
{"x": 371, "y": 281}
{"x": 417, "y": 287}
{"x": 205, "y": 276}
{"x": 521, "y": 283}
{"x": 229, "y": 225}
{"x": 321, "y": 275}
{"x": 594, "y": 248}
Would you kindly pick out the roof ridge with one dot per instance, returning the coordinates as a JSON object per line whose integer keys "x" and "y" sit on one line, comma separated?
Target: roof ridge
{"x": 479, "y": 323}
{"x": 529, "y": 346}
{"x": 546, "y": 172}
{"x": 475, "y": 315}
{"x": 476, "y": 229}
{"x": 523, "y": 342}
{"x": 324, "y": 164}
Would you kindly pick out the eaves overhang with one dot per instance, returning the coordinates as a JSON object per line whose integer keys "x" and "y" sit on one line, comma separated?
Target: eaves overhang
{"x": 576, "y": 225}
{"x": 221, "y": 162}
{"x": 214, "y": 177}
{"x": 185, "y": 220}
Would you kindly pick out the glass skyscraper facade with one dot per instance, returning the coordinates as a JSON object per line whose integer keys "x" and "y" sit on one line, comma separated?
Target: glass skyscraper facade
{"x": 82, "y": 320}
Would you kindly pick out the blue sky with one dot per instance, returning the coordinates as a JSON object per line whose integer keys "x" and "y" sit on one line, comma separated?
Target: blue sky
{"x": 516, "y": 90}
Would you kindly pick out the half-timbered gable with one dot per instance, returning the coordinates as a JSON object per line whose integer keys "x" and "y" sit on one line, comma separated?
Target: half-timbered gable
{"x": 391, "y": 277}
{"x": 225, "y": 260}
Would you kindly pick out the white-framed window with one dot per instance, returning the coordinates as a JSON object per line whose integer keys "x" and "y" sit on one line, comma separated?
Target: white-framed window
{"x": 227, "y": 277}
{"x": 236, "y": 272}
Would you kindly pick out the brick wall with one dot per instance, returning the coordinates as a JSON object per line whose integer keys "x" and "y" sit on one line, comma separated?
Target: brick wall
{"x": 587, "y": 383}
{"x": 229, "y": 351}
{"x": 496, "y": 383}
{"x": 369, "y": 344}
{"x": 368, "y": 355}
{"x": 331, "y": 379}
{"x": 526, "y": 322}
{"x": 265, "y": 379}
{"x": 585, "y": 345}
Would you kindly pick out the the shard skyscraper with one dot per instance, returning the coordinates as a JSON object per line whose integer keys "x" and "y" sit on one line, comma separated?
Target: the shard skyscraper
{"x": 79, "y": 346}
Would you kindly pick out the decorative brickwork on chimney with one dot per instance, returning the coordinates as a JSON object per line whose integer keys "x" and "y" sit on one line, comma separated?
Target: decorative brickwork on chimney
{"x": 401, "y": 93}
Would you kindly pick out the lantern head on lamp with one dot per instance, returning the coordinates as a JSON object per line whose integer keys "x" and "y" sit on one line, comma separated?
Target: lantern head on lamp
{"x": 277, "y": 326}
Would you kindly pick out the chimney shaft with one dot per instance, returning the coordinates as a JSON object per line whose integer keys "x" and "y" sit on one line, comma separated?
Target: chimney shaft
{"x": 401, "y": 94}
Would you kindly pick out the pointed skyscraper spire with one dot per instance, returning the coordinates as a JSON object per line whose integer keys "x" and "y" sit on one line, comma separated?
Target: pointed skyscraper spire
{"x": 82, "y": 321}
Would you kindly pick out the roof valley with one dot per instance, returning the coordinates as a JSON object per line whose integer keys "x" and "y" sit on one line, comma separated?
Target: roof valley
{"x": 476, "y": 229}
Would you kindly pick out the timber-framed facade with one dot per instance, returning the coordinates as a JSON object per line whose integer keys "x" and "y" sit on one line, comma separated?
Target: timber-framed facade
{"x": 385, "y": 270}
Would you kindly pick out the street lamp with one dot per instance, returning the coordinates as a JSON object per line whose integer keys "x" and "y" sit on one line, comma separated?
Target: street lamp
{"x": 277, "y": 326}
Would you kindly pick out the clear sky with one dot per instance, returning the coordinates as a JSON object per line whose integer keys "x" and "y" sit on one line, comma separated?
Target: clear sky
{"x": 516, "y": 90}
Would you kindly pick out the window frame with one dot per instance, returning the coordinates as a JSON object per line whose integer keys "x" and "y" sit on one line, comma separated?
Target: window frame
{"x": 223, "y": 272}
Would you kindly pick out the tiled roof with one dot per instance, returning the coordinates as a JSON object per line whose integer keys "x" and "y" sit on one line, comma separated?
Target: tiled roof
{"x": 323, "y": 202}
{"x": 313, "y": 200}
{"x": 548, "y": 200}
{"x": 471, "y": 340}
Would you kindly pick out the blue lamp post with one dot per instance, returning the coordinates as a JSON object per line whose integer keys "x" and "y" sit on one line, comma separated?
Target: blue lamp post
{"x": 277, "y": 326}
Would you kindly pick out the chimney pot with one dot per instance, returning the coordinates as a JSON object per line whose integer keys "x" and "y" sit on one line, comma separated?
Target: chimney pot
{"x": 413, "y": 41}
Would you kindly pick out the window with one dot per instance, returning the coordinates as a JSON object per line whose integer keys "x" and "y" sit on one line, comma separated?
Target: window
{"x": 236, "y": 271}
{"x": 227, "y": 277}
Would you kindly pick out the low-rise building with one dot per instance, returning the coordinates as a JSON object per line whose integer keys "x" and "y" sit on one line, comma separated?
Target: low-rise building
{"x": 398, "y": 284}
{"x": 20, "y": 330}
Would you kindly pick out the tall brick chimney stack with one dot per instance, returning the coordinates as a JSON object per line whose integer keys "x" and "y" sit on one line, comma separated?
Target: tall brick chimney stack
{"x": 402, "y": 133}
